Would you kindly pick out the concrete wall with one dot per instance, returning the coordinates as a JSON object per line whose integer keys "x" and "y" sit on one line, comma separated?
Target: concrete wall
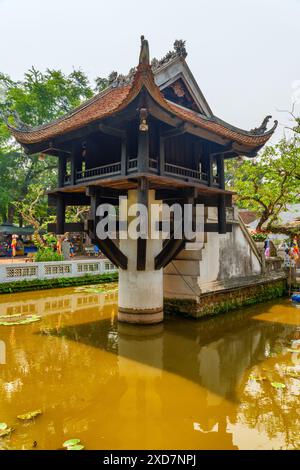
{"x": 224, "y": 261}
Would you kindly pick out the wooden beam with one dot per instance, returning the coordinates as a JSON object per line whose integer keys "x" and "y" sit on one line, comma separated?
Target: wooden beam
{"x": 210, "y": 170}
{"x": 221, "y": 171}
{"x": 68, "y": 227}
{"x": 222, "y": 214}
{"x": 143, "y": 152}
{"x": 60, "y": 215}
{"x": 124, "y": 156}
{"x": 210, "y": 227}
{"x": 62, "y": 164}
{"x": 142, "y": 198}
{"x": 169, "y": 251}
{"x": 174, "y": 132}
{"x": 111, "y": 251}
{"x": 76, "y": 161}
{"x": 162, "y": 154}
{"x": 113, "y": 131}
{"x": 71, "y": 199}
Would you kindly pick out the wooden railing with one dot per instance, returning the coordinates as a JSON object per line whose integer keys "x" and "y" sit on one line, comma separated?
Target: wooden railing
{"x": 132, "y": 166}
{"x": 184, "y": 172}
{"x": 99, "y": 172}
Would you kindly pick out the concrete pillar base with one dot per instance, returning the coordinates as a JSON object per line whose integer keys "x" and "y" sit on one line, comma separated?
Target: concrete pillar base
{"x": 141, "y": 317}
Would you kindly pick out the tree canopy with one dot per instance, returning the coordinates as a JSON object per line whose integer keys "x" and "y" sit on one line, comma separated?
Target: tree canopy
{"x": 269, "y": 182}
{"x": 37, "y": 99}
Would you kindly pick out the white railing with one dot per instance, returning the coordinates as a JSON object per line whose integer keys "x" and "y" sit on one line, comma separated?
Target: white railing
{"x": 53, "y": 269}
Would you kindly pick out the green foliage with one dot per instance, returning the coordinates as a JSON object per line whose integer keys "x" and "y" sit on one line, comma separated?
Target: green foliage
{"x": 259, "y": 236}
{"x": 225, "y": 301}
{"x": 269, "y": 182}
{"x": 45, "y": 254}
{"x": 39, "y": 98}
{"x": 40, "y": 284}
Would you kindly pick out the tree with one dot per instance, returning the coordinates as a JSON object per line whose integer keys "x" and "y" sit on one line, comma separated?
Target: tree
{"x": 39, "y": 98}
{"x": 269, "y": 182}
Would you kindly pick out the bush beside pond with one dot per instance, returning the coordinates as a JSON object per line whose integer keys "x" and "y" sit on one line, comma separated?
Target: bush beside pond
{"x": 41, "y": 284}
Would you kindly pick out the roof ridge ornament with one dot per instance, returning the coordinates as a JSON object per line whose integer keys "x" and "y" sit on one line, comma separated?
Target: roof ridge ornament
{"x": 179, "y": 51}
{"x": 262, "y": 128}
{"x": 145, "y": 53}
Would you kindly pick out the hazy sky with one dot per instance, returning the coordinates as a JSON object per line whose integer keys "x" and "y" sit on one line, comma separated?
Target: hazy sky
{"x": 243, "y": 53}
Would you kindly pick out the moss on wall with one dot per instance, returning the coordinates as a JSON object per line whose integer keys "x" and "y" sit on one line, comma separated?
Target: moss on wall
{"x": 221, "y": 302}
{"x": 41, "y": 284}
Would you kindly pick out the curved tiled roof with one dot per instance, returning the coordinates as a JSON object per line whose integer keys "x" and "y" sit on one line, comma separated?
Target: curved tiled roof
{"x": 114, "y": 100}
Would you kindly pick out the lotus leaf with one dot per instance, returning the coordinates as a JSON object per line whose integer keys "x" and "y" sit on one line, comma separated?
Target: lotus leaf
{"x": 71, "y": 442}
{"x": 278, "y": 385}
{"x": 77, "y": 447}
{"x": 6, "y": 432}
{"x": 29, "y": 415}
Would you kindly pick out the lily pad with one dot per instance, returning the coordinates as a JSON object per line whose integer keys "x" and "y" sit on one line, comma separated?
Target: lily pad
{"x": 22, "y": 320}
{"x": 278, "y": 385}
{"x": 71, "y": 442}
{"x": 6, "y": 432}
{"x": 257, "y": 379}
{"x": 77, "y": 447}
{"x": 3, "y": 426}
{"x": 7, "y": 317}
{"x": 29, "y": 415}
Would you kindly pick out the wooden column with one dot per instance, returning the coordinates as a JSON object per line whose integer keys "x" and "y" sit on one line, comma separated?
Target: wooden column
{"x": 210, "y": 179}
{"x": 124, "y": 157}
{"x": 76, "y": 162}
{"x": 161, "y": 154}
{"x": 143, "y": 152}
{"x": 222, "y": 214}
{"x": 142, "y": 198}
{"x": 60, "y": 214}
{"x": 221, "y": 172}
{"x": 62, "y": 164}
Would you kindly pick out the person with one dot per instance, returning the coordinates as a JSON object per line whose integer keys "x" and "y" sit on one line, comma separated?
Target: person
{"x": 14, "y": 245}
{"x": 58, "y": 245}
{"x": 72, "y": 250}
{"x": 96, "y": 250}
{"x": 267, "y": 248}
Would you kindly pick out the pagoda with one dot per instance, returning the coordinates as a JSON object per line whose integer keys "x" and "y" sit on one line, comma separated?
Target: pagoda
{"x": 150, "y": 136}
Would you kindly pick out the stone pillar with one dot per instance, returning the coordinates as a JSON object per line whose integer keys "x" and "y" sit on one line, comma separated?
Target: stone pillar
{"x": 141, "y": 292}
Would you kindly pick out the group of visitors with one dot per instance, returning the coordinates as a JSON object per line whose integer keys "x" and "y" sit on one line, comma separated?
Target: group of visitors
{"x": 292, "y": 252}
{"x": 64, "y": 246}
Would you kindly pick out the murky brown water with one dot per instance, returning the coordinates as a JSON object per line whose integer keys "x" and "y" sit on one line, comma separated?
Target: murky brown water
{"x": 179, "y": 385}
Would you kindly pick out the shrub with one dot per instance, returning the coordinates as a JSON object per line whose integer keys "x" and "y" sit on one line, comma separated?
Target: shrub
{"x": 47, "y": 254}
{"x": 42, "y": 284}
{"x": 259, "y": 236}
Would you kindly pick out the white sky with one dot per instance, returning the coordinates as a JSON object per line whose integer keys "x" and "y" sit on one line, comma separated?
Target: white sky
{"x": 243, "y": 53}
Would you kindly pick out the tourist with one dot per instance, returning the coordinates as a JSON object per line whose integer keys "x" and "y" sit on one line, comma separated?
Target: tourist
{"x": 14, "y": 245}
{"x": 72, "y": 250}
{"x": 267, "y": 248}
{"x": 58, "y": 245}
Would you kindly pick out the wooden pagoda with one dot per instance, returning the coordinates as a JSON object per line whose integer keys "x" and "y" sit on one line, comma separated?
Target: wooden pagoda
{"x": 151, "y": 134}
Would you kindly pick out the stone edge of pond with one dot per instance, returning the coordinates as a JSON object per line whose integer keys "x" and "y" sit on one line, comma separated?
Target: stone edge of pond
{"x": 219, "y": 302}
{"x": 44, "y": 284}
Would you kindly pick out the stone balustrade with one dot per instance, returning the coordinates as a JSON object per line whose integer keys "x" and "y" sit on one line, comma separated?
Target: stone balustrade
{"x": 53, "y": 269}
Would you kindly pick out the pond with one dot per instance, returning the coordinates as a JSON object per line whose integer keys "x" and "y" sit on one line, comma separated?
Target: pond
{"x": 230, "y": 382}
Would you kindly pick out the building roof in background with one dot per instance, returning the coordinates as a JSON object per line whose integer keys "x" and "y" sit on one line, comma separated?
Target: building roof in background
{"x": 10, "y": 229}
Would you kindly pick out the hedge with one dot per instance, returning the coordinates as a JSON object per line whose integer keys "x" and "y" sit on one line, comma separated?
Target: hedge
{"x": 41, "y": 284}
